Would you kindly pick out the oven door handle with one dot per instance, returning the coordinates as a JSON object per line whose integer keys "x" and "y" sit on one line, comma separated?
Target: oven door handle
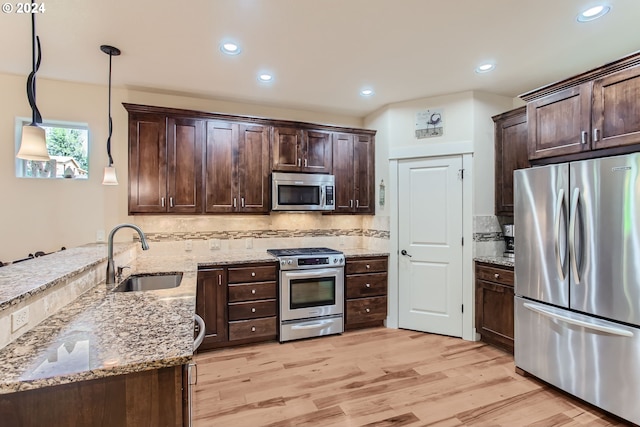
{"x": 312, "y": 273}
{"x": 315, "y": 325}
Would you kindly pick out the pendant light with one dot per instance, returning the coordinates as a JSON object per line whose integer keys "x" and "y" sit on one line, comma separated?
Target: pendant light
{"x": 110, "y": 171}
{"x": 33, "y": 145}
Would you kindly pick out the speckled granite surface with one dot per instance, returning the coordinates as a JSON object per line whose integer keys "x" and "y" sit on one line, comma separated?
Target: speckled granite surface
{"x": 498, "y": 260}
{"x": 105, "y": 333}
{"x": 360, "y": 253}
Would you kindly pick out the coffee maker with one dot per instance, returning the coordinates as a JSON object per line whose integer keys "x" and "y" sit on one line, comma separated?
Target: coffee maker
{"x": 509, "y": 233}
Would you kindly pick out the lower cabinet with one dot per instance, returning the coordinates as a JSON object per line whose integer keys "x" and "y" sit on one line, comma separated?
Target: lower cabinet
{"x": 494, "y": 304}
{"x": 147, "y": 398}
{"x": 365, "y": 292}
{"x": 244, "y": 309}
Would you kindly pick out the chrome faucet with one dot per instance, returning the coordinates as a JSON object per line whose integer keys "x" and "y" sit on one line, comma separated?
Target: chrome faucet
{"x": 111, "y": 270}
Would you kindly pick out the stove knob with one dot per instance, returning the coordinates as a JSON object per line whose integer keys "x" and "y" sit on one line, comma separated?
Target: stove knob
{"x": 335, "y": 260}
{"x": 290, "y": 262}
{"x": 341, "y": 260}
{"x": 283, "y": 262}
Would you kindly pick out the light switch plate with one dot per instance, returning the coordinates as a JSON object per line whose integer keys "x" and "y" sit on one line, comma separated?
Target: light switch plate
{"x": 248, "y": 243}
{"x": 214, "y": 244}
{"x": 19, "y": 319}
{"x": 188, "y": 245}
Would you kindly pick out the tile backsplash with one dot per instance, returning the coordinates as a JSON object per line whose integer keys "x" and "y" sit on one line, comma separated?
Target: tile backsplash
{"x": 487, "y": 236}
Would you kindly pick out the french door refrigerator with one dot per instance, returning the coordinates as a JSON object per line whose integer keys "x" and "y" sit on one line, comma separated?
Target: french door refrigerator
{"x": 577, "y": 279}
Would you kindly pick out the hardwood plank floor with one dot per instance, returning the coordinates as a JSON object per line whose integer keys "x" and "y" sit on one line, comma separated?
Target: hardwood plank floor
{"x": 377, "y": 377}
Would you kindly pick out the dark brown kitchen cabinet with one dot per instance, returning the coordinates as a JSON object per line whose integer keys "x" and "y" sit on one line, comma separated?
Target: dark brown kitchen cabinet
{"x": 238, "y": 304}
{"x": 301, "y": 150}
{"x": 593, "y": 114}
{"x": 211, "y": 305}
{"x": 237, "y": 168}
{"x": 148, "y": 398}
{"x": 353, "y": 167}
{"x": 365, "y": 291}
{"x": 510, "y": 154}
{"x": 494, "y": 304}
{"x": 165, "y": 164}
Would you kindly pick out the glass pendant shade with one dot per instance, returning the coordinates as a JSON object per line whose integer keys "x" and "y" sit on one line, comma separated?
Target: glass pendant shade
{"x": 34, "y": 144}
{"x": 109, "y": 176}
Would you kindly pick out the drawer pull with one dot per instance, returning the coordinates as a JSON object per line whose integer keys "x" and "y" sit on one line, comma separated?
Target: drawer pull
{"x": 368, "y": 285}
{"x": 253, "y": 291}
{"x": 497, "y": 276}
{"x": 253, "y": 310}
{"x": 253, "y": 329}
{"x": 253, "y": 274}
{"x": 368, "y": 266}
{"x": 367, "y": 310}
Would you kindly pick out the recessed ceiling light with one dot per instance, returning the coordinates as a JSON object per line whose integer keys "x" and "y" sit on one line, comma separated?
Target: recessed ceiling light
{"x": 230, "y": 48}
{"x": 485, "y": 68}
{"x": 265, "y": 77}
{"x": 594, "y": 12}
{"x": 366, "y": 92}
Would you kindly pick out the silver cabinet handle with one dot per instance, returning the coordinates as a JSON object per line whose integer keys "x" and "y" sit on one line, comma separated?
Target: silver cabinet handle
{"x": 306, "y": 163}
{"x": 253, "y": 329}
{"x": 367, "y": 310}
{"x": 162, "y": 201}
{"x": 242, "y": 202}
{"x": 171, "y": 202}
{"x": 299, "y": 162}
{"x": 596, "y": 134}
{"x": 253, "y": 291}
{"x": 556, "y": 233}
{"x": 572, "y": 235}
{"x": 253, "y": 274}
{"x": 357, "y": 203}
{"x": 368, "y": 285}
{"x": 368, "y": 266}
{"x": 350, "y": 203}
{"x": 497, "y": 276}
{"x": 235, "y": 202}
{"x": 219, "y": 279}
{"x": 200, "y": 337}
{"x": 583, "y": 136}
{"x": 253, "y": 310}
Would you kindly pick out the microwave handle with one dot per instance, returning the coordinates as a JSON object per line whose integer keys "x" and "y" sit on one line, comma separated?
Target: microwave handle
{"x": 323, "y": 196}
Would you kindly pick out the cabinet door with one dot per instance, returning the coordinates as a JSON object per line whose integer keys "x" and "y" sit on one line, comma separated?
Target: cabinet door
{"x": 221, "y": 167}
{"x": 286, "y": 149}
{"x": 363, "y": 174}
{"x": 560, "y": 124}
{"x": 185, "y": 139}
{"x": 253, "y": 169}
{"x": 616, "y": 109}
{"x": 494, "y": 313}
{"x": 211, "y": 303}
{"x": 510, "y": 154}
{"x": 343, "y": 171}
{"x": 318, "y": 152}
{"x": 147, "y": 163}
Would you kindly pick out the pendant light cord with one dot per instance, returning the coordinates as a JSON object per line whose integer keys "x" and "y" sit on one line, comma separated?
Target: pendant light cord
{"x": 110, "y": 121}
{"x": 36, "y": 58}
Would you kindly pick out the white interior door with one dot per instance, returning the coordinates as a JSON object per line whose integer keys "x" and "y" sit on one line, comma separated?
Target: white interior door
{"x": 430, "y": 243}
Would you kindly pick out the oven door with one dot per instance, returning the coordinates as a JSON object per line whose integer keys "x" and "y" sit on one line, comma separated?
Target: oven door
{"x": 311, "y": 293}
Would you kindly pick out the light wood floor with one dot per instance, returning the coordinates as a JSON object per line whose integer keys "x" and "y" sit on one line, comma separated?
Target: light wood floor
{"x": 377, "y": 377}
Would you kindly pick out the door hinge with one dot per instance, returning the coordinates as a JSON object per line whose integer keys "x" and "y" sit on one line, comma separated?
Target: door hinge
{"x": 462, "y": 241}
{"x": 462, "y": 308}
{"x": 461, "y": 173}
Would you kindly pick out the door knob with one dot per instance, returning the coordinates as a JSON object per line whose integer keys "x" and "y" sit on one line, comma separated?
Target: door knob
{"x": 403, "y": 252}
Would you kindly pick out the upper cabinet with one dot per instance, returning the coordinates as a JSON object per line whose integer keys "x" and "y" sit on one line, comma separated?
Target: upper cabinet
{"x": 596, "y": 110}
{"x": 193, "y": 162}
{"x": 510, "y": 154}
{"x": 353, "y": 167}
{"x": 165, "y": 164}
{"x": 300, "y": 150}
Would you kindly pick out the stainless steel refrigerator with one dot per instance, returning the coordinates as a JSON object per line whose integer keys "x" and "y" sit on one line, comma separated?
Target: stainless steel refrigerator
{"x": 577, "y": 279}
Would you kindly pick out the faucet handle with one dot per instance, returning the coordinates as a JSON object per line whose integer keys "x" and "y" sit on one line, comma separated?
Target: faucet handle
{"x": 119, "y": 271}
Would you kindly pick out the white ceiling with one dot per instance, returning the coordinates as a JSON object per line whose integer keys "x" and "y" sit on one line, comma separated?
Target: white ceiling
{"x": 321, "y": 52}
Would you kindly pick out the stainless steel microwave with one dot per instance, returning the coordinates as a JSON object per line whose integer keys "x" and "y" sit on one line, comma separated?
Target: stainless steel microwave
{"x": 302, "y": 192}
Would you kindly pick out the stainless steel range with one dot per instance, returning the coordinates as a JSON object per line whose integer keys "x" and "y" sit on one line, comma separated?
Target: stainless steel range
{"x": 311, "y": 292}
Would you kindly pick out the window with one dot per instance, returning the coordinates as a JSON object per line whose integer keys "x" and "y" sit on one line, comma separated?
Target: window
{"x": 68, "y": 146}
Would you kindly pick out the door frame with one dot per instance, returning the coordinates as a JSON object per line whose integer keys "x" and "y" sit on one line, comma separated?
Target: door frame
{"x": 465, "y": 150}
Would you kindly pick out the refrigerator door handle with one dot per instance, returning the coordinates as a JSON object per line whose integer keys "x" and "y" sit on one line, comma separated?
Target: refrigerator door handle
{"x": 602, "y": 328}
{"x": 556, "y": 234}
{"x": 572, "y": 236}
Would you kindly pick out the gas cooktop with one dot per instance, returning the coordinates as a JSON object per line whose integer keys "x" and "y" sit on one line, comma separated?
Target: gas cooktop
{"x": 302, "y": 251}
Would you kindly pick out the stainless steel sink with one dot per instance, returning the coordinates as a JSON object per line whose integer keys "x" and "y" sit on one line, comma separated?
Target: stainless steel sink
{"x": 149, "y": 282}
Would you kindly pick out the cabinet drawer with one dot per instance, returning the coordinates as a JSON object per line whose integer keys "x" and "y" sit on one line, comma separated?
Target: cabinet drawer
{"x": 252, "y": 274}
{"x": 366, "y": 310}
{"x": 244, "y": 329}
{"x": 366, "y": 265}
{"x": 252, "y": 291}
{"x": 252, "y": 309}
{"x": 366, "y": 285}
{"x": 494, "y": 274}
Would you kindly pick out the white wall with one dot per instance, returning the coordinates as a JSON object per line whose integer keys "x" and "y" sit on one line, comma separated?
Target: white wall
{"x": 47, "y": 214}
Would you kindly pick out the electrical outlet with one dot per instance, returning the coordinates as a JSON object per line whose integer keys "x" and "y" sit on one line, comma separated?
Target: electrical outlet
{"x": 214, "y": 244}
{"x": 188, "y": 245}
{"x": 248, "y": 243}
{"x": 19, "y": 318}
{"x": 100, "y": 236}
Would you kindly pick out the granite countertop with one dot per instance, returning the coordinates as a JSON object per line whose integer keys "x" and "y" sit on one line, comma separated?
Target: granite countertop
{"x": 361, "y": 252}
{"x": 104, "y": 333}
{"x": 498, "y": 260}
